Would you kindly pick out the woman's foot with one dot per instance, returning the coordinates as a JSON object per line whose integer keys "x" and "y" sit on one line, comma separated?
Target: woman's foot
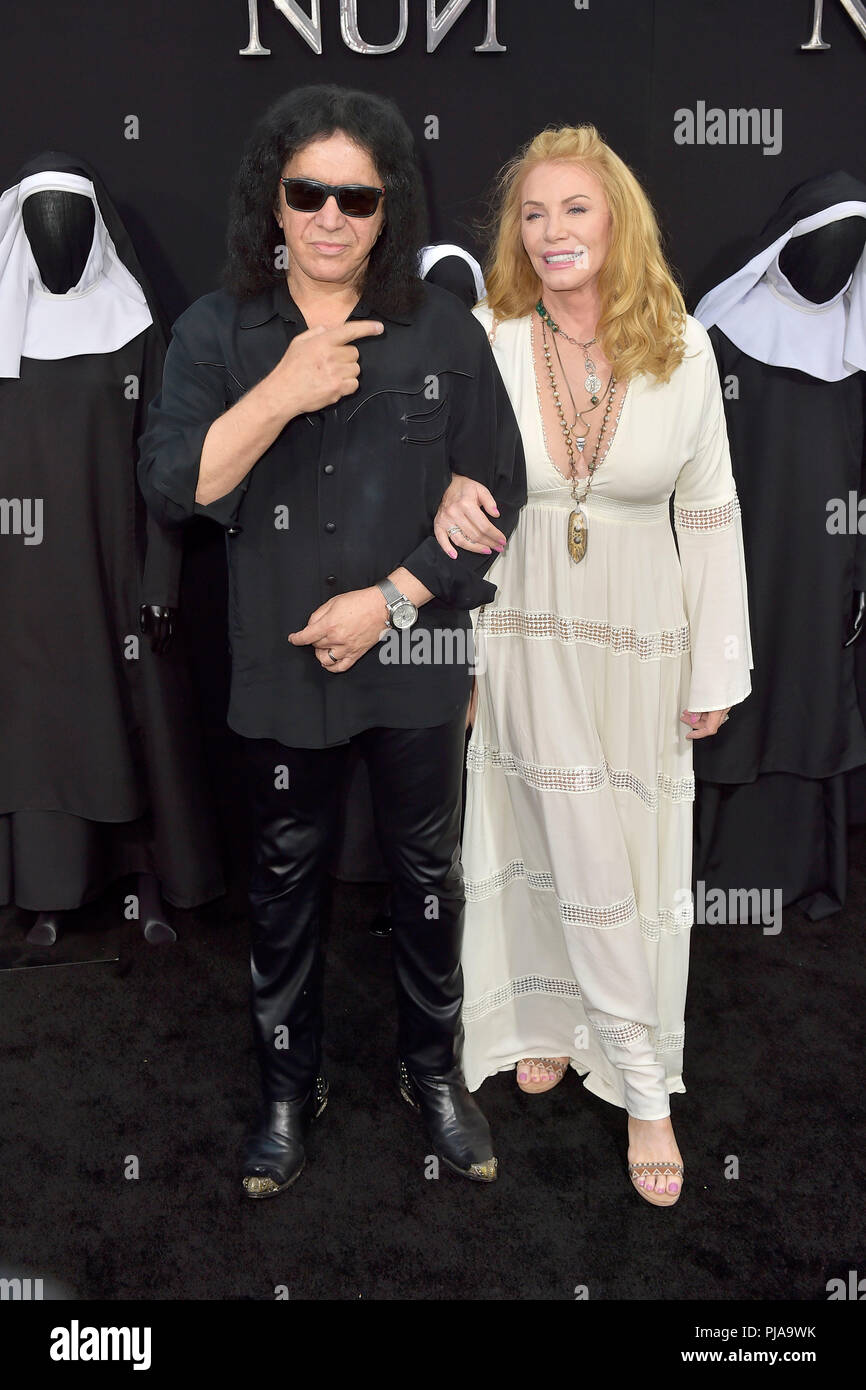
{"x": 537, "y": 1074}
{"x": 655, "y": 1164}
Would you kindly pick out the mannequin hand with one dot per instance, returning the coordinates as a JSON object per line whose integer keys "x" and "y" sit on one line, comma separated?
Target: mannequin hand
{"x": 857, "y": 606}
{"x": 349, "y": 624}
{"x": 462, "y": 506}
{"x": 158, "y": 622}
{"x": 703, "y": 724}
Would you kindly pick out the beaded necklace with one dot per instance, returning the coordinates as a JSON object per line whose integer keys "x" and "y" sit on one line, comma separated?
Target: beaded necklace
{"x": 577, "y": 534}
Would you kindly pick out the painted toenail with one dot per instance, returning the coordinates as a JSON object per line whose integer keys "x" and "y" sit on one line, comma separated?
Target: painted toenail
{"x": 523, "y": 1076}
{"x": 674, "y": 1187}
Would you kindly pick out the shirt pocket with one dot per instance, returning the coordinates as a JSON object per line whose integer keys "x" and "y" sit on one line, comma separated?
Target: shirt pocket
{"x": 232, "y": 387}
{"x": 408, "y": 413}
{"x": 424, "y": 424}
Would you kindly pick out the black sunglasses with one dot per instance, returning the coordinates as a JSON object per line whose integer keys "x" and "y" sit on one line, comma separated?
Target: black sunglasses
{"x": 353, "y": 199}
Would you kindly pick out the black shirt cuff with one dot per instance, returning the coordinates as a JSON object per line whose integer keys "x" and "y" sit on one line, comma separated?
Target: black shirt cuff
{"x": 455, "y": 582}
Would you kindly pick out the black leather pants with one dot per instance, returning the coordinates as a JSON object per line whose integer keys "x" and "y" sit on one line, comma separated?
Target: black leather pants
{"x": 415, "y": 778}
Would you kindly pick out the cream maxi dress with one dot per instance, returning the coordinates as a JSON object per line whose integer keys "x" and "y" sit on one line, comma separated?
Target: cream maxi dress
{"x": 578, "y": 830}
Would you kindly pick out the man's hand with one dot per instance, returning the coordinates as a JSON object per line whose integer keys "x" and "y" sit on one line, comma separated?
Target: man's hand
{"x": 321, "y": 365}
{"x": 347, "y": 625}
{"x": 317, "y": 368}
{"x": 462, "y": 506}
{"x": 704, "y": 724}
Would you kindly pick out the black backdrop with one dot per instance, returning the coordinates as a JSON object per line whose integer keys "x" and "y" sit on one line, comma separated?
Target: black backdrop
{"x": 157, "y": 96}
{"x": 73, "y": 73}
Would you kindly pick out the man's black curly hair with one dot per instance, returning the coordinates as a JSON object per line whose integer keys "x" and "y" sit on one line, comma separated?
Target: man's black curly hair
{"x": 391, "y": 282}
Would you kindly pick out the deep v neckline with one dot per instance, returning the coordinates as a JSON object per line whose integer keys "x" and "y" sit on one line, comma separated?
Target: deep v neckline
{"x": 539, "y": 417}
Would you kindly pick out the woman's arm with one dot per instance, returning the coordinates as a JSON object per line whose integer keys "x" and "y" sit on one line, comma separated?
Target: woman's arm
{"x": 464, "y": 504}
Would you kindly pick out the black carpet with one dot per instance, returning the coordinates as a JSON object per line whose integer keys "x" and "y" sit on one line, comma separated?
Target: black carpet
{"x": 145, "y": 1064}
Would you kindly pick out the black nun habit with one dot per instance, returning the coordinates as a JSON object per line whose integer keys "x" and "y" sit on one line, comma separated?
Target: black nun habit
{"x": 101, "y": 772}
{"x": 789, "y": 332}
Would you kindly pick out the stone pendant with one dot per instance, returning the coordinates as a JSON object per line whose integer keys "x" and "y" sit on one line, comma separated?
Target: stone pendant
{"x": 578, "y": 534}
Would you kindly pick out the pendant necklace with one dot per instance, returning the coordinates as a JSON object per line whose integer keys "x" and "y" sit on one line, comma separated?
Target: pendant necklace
{"x": 592, "y": 384}
{"x": 579, "y": 439}
{"x": 577, "y": 534}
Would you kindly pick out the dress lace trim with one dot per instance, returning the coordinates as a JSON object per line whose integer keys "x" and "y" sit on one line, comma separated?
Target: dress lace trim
{"x": 707, "y": 518}
{"x": 603, "y": 917}
{"x": 670, "y": 922}
{"x": 647, "y": 646}
{"x": 622, "y": 1035}
{"x": 527, "y": 984}
{"x": 671, "y": 1042}
{"x": 580, "y": 779}
{"x": 474, "y": 1009}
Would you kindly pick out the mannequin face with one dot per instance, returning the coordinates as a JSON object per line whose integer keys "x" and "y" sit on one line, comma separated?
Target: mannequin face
{"x": 59, "y": 226}
{"x": 565, "y": 224}
{"x": 820, "y": 263}
{"x": 326, "y": 247}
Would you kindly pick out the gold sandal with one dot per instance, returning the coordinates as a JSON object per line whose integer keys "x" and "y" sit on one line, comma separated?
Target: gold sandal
{"x": 554, "y": 1064}
{"x": 657, "y": 1169}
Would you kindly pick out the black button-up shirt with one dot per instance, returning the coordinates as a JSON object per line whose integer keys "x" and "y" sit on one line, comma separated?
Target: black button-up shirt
{"x": 342, "y": 497}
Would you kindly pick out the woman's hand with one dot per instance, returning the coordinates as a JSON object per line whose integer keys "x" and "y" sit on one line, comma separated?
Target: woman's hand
{"x": 462, "y": 507}
{"x": 704, "y": 724}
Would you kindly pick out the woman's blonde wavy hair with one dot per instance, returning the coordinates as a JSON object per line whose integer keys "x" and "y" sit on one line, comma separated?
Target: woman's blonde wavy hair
{"x": 642, "y": 309}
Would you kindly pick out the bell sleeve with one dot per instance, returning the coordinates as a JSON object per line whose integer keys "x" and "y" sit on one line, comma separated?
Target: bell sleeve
{"x": 709, "y": 534}
{"x": 178, "y": 420}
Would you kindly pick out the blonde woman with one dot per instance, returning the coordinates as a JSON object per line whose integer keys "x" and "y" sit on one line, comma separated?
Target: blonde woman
{"x": 609, "y": 648}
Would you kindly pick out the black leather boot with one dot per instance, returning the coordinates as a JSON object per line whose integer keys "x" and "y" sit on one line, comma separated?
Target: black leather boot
{"x": 381, "y": 923}
{"x": 458, "y": 1132}
{"x": 274, "y": 1156}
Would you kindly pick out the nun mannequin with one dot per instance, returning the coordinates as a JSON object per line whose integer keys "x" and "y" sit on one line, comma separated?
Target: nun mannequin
{"x": 454, "y": 269}
{"x": 100, "y": 776}
{"x": 789, "y": 332}
{"x": 356, "y": 857}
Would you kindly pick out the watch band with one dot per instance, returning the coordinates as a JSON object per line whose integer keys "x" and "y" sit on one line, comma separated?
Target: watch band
{"x": 392, "y": 593}
{"x": 397, "y": 602}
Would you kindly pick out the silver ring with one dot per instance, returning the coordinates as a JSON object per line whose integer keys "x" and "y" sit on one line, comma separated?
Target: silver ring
{"x": 452, "y": 529}
{"x": 331, "y": 654}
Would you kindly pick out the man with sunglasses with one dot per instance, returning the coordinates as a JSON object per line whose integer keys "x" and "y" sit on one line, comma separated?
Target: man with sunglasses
{"x": 316, "y": 408}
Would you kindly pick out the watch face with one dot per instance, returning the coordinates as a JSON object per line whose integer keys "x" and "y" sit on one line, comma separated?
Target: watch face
{"x": 404, "y": 615}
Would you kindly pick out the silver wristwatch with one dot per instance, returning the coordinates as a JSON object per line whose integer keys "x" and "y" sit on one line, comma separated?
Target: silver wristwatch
{"x": 401, "y": 610}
